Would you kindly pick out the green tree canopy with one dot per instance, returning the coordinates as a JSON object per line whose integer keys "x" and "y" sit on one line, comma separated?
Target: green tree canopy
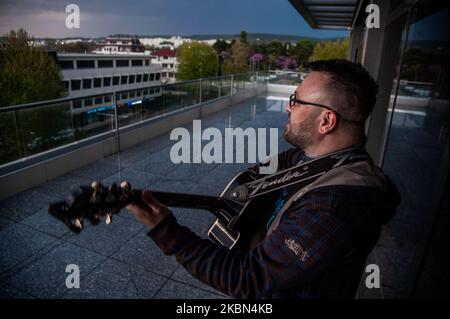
{"x": 302, "y": 51}
{"x": 243, "y": 36}
{"x": 27, "y": 73}
{"x": 221, "y": 45}
{"x": 330, "y": 50}
{"x": 197, "y": 60}
{"x": 240, "y": 54}
{"x": 81, "y": 47}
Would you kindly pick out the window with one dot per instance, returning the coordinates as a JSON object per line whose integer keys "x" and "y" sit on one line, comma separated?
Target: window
{"x": 65, "y": 65}
{"x": 75, "y": 85}
{"x": 105, "y": 63}
{"x": 145, "y": 78}
{"x": 170, "y": 74}
{"x": 152, "y": 76}
{"x": 164, "y": 65}
{"x": 136, "y": 63}
{"x": 123, "y": 79}
{"x": 87, "y": 83}
{"x": 116, "y": 80}
{"x": 107, "y": 98}
{"x": 98, "y": 100}
{"x": 139, "y": 78}
{"x": 165, "y": 58}
{"x": 419, "y": 84}
{"x": 107, "y": 81}
{"x": 138, "y": 93}
{"x": 97, "y": 82}
{"x": 164, "y": 74}
{"x": 77, "y": 104}
{"x": 147, "y": 62}
{"x": 132, "y": 94}
{"x": 122, "y": 63}
{"x": 87, "y": 102}
{"x": 131, "y": 79}
{"x": 145, "y": 92}
{"x": 86, "y": 64}
{"x": 124, "y": 96}
{"x": 158, "y": 76}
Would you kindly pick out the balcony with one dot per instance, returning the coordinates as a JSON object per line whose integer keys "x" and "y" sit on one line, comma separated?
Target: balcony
{"x": 118, "y": 260}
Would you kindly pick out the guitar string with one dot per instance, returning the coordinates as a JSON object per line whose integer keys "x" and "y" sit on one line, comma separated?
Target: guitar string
{"x": 118, "y": 138}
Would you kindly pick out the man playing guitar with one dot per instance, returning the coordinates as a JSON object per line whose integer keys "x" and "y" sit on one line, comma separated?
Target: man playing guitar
{"x": 318, "y": 239}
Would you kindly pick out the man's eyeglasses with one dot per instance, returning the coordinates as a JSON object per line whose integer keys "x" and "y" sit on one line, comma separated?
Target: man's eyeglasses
{"x": 293, "y": 100}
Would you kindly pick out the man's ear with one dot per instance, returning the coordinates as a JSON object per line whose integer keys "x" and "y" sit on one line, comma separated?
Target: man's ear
{"x": 328, "y": 122}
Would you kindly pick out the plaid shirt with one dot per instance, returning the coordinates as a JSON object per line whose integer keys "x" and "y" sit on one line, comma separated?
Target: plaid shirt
{"x": 317, "y": 251}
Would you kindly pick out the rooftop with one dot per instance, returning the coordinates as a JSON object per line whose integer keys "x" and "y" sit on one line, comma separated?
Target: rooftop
{"x": 165, "y": 52}
{"x": 106, "y": 56}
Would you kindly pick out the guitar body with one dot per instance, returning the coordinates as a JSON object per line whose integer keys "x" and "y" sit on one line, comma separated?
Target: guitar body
{"x": 251, "y": 219}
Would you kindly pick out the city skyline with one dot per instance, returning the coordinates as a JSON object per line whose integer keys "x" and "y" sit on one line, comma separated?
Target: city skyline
{"x": 46, "y": 18}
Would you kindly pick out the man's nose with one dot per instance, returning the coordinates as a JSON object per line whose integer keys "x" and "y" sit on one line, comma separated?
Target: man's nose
{"x": 287, "y": 108}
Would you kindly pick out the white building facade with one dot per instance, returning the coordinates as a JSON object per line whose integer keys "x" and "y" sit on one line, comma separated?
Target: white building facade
{"x": 160, "y": 42}
{"x": 96, "y": 74}
{"x": 167, "y": 59}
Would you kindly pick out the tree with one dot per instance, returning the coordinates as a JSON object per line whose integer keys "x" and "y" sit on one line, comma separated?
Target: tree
{"x": 197, "y": 60}
{"x": 151, "y": 47}
{"x": 27, "y": 74}
{"x": 255, "y": 60}
{"x": 276, "y": 48}
{"x": 240, "y": 54}
{"x": 81, "y": 47}
{"x": 243, "y": 36}
{"x": 286, "y": 63}
{"x": 221, "y": 45}
{"x": 330, "y": 50}
{"x": 302, "y": 51}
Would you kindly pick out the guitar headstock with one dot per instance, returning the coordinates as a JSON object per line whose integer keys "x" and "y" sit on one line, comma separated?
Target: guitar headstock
{"x": 93, "y": 203}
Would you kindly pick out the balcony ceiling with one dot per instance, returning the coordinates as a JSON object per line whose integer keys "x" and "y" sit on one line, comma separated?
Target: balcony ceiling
{"x": 336, "y": 14}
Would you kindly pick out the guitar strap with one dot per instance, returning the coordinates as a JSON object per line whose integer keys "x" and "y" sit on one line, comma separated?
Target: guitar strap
{"x": 355, "y": 173}
{"x": 301, "y": 174}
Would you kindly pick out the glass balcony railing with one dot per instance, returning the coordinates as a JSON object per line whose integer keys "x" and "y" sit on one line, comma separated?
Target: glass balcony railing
{"x": 30, "y": 129}
{"x": 283, "y": 77}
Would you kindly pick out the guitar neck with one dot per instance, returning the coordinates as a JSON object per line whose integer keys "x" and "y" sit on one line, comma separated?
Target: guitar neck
{"x": 210, "y": 203}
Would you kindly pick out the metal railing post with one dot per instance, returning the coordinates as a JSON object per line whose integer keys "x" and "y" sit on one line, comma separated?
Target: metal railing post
{"x": 231, "y": 85}
{"x": 200, "y": 91}
{"x": 116, "y": 117}
{"x": 220, "y": 87}
{"x": 22, "y": 148}
{"x": 116, "y": 120}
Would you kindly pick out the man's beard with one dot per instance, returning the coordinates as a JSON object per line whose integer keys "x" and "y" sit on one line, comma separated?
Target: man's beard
{"x": 299, "y": 135}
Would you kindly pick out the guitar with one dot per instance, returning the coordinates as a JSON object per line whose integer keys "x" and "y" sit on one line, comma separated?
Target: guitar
{"x": 243, "y": 211}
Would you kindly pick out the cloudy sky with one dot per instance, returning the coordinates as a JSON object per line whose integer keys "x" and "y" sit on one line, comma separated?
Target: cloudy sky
{"x": 46, "y": 18}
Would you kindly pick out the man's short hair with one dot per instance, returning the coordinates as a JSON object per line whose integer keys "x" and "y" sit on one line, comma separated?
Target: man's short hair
{"x": 354, "y": 83}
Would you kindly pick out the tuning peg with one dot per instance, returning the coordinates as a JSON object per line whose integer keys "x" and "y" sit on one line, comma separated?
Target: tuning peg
{"x": 126, "y": 194}
{"x": 98, "y": 191}
{"x": 108, "y": 218}
{"x": 125, "y": 186}
{"x": 76, "y": 222}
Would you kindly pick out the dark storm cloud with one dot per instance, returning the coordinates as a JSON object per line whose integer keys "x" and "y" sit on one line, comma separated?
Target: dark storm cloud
{"x": 45, "y": 18}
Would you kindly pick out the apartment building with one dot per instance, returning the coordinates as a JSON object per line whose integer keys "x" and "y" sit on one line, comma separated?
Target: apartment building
{"x": 96, "y": 74}
{"x": 167, "y": 59}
